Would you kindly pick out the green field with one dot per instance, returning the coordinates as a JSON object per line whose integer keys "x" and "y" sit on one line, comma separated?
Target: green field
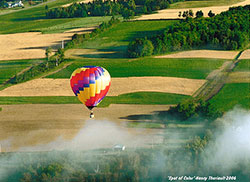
{"x": 145, "y": 98}
{"x": 10, "y": 68}
{"x": 186, "y": 68}
{"x": 203, "y": 3}
{"x": 243, "y": 65}
{"x": 75, "y": 23}
{"x": 31, "y": 19}
{"x": 231, "y": 95}
{"x": 118, "y": 37}
{"x": 132, "y": 98}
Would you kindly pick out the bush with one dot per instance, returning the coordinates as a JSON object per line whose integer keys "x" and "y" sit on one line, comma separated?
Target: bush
{"x": 192, "y": 109}
{"x": 140, "y": 48}
{"x": 79, "y": 38}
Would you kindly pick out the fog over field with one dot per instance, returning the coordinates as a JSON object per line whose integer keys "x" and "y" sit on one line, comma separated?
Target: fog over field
{"x": 230, "y": 146}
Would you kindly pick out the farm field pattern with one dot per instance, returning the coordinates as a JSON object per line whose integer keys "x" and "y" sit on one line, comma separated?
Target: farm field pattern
{"x": 42, "y": 113}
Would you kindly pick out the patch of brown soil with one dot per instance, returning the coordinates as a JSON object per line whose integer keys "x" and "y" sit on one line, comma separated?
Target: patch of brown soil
{"x": 61, "y": 87}
{"x": 202, "y": 54}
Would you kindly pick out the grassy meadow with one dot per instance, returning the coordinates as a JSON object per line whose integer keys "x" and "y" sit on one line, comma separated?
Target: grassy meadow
{"x": 118, "y": 37}
{"x": 131, "y": 98}
{"x": 243, "y": 65}
{"x": 75, "y": 23}
{"x": 187, "y": 68}
{"x": 8, "y": 69}
{"x": 232, "y": 94}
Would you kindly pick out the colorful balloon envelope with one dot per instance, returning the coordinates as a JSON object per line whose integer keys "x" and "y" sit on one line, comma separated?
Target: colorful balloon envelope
{"x": 90, "y": 84}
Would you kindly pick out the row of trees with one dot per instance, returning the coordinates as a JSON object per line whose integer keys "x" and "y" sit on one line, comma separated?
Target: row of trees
{"x": 198, "y": 14}
{"x": 79, "y": 38}
{"x": 191, "y": 109}
{"x": 126, "y": 8}
{"x": 52, "y": 61}
{"x": 228, "y": 30}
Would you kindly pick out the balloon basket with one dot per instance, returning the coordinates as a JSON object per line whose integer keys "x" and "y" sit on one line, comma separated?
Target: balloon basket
{"x": 91, "y": 115}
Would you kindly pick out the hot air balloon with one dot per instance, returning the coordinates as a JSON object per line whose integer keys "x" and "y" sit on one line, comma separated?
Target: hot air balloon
{"x": 90, "y": 84}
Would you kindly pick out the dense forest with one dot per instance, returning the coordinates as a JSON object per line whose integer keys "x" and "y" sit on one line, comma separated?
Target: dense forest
{"x": 228, "y": 30}
{"x": 126, "y": 8}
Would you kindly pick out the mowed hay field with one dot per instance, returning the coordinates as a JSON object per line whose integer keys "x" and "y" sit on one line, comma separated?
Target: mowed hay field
{"x": 61, "y": 87}
{"x": 173, "y": 13}
{"x": 216, "y": 54}
{"x": 204, "y": 3}
{"x": 245, "y": 54}
{"x": 32, "y": 45}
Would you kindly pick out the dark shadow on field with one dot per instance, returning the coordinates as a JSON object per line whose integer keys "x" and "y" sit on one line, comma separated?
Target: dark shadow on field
{"x": 80, "y": 31}
{"x": 161, "y": 117}
{"x": 38, "y": 47}
{"x": 162, "y": 19}
{"x": 29, "y": 19}
{"x": 102, "y": 55}
{"x": 113, "y": 52}
{"x": 172, "y": 129}
{"x": 142, "y": 34}
{"x": 156, "y": 116}
{"x": 55, "y": 45}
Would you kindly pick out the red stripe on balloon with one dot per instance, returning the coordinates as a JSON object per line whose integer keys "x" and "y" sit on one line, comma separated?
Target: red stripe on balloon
{"x": 94, "y": 101}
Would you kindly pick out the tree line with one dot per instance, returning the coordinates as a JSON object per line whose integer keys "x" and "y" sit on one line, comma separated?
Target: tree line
{"x": 79, "y": 38}
{"x": 192, "y": 110}
{"x": 228, "y": 30}
{"x": 52, "y": 61}
{"x": 126, "y": 8}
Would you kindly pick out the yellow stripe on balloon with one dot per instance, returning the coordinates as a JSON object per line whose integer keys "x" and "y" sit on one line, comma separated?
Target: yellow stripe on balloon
{"x": 84, "y": 95}
{"x": 98, "y": 86}
{"x": 79, "y": 95}
{"x": 79, "y": 70}
{"x": 92, "y": 89}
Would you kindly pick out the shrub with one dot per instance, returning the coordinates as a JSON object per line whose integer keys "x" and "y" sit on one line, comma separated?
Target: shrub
{"x": 140, "y": 48}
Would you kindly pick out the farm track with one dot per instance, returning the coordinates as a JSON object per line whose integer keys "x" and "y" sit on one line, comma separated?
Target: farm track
{"x": 217, "y": 79}
{"x": 64, "y": 66}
